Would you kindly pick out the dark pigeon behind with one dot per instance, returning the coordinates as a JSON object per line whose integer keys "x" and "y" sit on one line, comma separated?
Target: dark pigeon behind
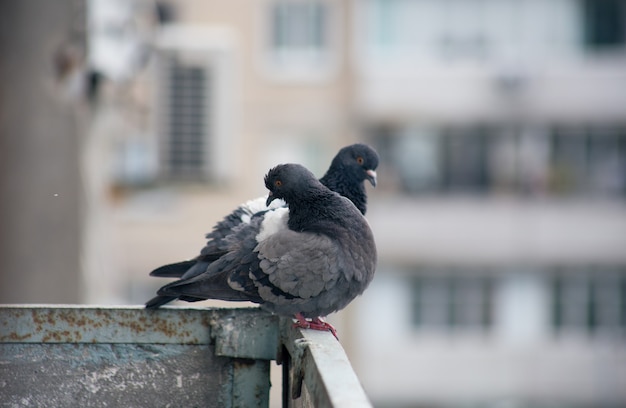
{"x": 346, "y": 175}
{"x": 316, "y": 265}
{"x": 349, "y": 169}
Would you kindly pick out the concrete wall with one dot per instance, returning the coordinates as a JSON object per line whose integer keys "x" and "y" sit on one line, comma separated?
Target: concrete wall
{"x": 41, "y": 46}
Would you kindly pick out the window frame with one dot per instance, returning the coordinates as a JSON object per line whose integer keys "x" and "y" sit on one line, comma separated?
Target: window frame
{"x": 306, "y": 64}
{"x": 456, "y": 306}
{"x": 588, "y": 300}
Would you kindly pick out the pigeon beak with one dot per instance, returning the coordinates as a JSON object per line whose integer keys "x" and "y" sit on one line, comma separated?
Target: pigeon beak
{"x": 270, "y": 198}
{"x": 371, "y": 176}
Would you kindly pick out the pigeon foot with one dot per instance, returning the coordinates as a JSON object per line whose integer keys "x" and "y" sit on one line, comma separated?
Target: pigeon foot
{"x": 314, "y": 324}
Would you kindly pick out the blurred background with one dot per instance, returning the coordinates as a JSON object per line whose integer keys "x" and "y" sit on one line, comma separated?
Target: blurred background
{"x": 129, "y": 127}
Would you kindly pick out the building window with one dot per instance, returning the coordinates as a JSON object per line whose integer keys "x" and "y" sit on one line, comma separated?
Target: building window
{"x": 302, "y": 40}
{"x": 490, "y": 159}
{"x": 184, "y": 155}
{"x": 604, "y": 23}
{"x": 417, "y": 154}
{"x": 451, "y": 302}
{"x": 465, "y": 159}
{"x": 470, "y": 29}
{"x": 299, "y": 28}
{"x": 569, "y": 160}
{"x": 588, "y": 160}
{"x": 589, "y": 301}
{"x": 194, "y": 107}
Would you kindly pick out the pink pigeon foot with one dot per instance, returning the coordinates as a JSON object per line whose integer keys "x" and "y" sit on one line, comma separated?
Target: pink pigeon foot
{"x": 314, "y": 324}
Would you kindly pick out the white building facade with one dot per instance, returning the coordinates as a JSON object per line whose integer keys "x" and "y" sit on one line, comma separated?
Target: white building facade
{"x": 502, "y": 276}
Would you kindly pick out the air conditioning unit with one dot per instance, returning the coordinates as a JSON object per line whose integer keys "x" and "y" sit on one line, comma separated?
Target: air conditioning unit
{"x": 194, "y": 103}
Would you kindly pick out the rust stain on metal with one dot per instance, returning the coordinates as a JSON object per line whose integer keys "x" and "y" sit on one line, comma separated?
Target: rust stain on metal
{"x": 75, "y": 324}
{"x": 16, "y": 337}
{"x": 64, "y": 336}
{"x": 143, "y": 324}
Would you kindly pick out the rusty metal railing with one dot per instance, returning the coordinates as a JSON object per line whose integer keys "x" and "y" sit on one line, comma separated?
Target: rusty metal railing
{"x": 127, "y": 356}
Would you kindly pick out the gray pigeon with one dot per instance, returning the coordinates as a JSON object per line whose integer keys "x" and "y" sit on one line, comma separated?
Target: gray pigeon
{"x": 349, "y": 169}
{"x": 308, "y": 261}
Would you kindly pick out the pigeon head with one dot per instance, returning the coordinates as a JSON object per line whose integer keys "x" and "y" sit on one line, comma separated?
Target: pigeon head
{"x": 349, "y": 169}
{"x": 357, "y": 161}
{"x": 286, "y": 181}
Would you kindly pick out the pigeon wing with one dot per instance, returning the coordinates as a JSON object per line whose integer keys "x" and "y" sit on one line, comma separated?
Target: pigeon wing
{"x": 212, "y": 284}
{"x": 215, "y": 281}
{"x": 295, "y": 265}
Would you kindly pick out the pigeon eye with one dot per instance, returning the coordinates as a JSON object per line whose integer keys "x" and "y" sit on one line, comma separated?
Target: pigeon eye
{"x": 278, "y": 183}
{"x": 360, "y": 160}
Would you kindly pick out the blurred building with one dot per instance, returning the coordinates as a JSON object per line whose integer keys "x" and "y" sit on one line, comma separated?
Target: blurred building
{"x": 500, "y": 215}
{"x": 230, "y": 90}
{"x": 502, "y": 279}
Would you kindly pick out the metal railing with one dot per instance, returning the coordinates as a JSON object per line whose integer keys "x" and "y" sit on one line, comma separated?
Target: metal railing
{"x": 62, "y": 356}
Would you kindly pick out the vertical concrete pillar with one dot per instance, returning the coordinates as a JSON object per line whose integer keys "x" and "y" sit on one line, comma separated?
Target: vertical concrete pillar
{"x": 42, "y": 46}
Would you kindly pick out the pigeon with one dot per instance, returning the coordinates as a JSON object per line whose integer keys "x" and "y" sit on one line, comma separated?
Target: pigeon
{"x": 349, "y": 169}
{"x": 351, "y": 166}
{"x": 307, "y": 261}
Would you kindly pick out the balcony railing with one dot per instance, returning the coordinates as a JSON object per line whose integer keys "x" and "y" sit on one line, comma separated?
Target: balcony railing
{"x": 56, "y": 356}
